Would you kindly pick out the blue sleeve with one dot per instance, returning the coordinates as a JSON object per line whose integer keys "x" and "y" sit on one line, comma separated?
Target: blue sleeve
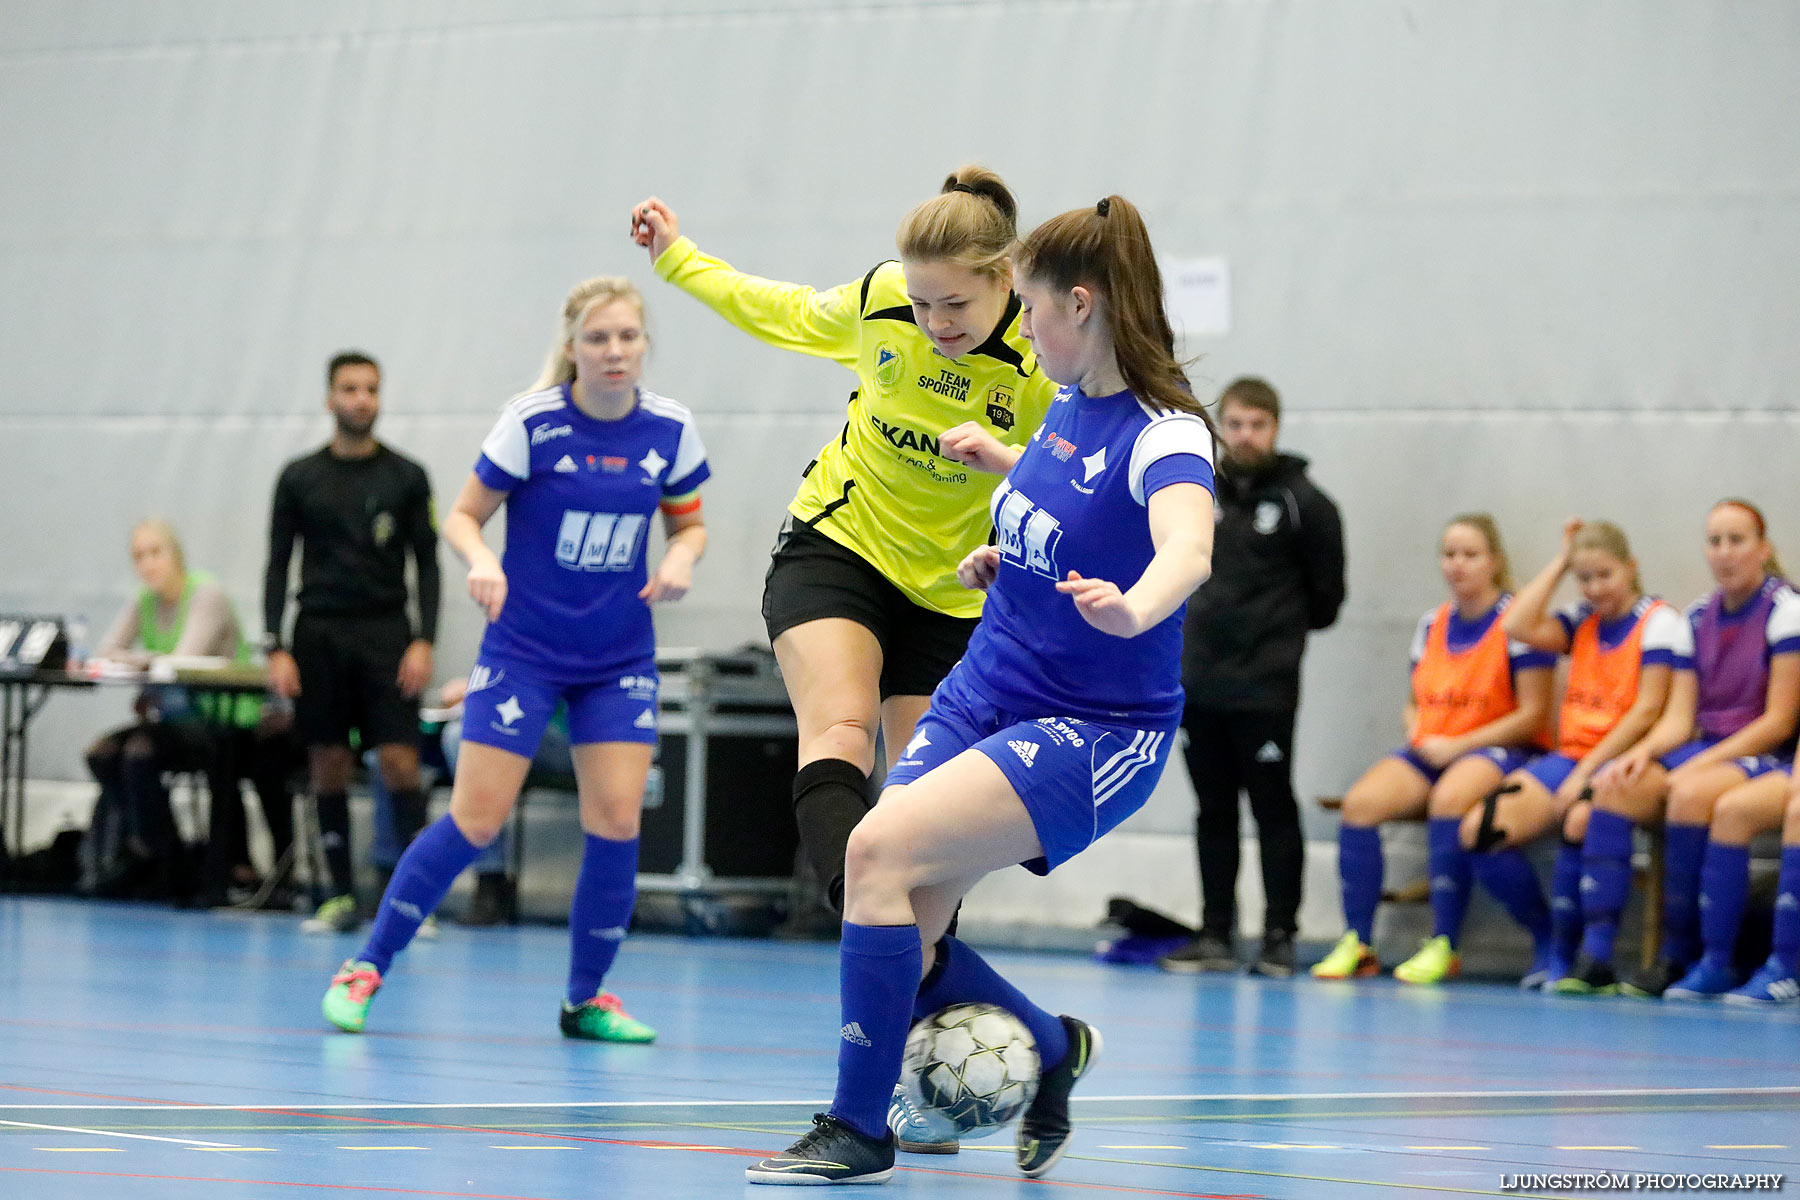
{"x": 1177, "y": 468}
{"x": 493, "y": 476}
{"x": 1532, "y": 660}
{"x": 688, "y": 482}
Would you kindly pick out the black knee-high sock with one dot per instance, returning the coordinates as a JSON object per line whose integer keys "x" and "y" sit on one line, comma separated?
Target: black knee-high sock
{"x": 409, "y": 813}
{"x": 334, "y": 839}
{"x": 830, "y": 797}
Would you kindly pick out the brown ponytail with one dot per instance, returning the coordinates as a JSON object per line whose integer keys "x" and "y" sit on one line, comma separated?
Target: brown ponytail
{"x": 1106, "y": 249}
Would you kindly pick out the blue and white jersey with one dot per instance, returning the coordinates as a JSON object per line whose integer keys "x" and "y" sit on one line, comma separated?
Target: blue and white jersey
{"x": 1076, "y": 501}
{"x": 581, "y": 495}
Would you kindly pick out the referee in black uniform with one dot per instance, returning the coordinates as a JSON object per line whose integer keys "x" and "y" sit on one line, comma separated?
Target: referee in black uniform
{"x": 355, "y": 660}
{"x": 1278, "y": 573}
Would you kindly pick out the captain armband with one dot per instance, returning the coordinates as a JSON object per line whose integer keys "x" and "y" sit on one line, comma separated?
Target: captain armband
{"x": 681, "y": 506}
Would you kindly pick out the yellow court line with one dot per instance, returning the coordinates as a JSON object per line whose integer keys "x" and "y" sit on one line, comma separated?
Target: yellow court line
{"x": 1746, "y": 1147}
{"x": 81, "y": 1149}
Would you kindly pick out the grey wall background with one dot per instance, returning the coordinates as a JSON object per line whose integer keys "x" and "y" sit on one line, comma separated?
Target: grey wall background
{"x": 1533, "y": 257}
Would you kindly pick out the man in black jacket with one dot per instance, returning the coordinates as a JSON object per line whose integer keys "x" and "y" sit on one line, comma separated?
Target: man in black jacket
{"x": 1278, "y": 573}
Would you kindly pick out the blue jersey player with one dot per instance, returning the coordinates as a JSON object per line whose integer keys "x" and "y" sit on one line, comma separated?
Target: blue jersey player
{"x": 1057, "y": 722}
{"x": 583, "y": 463}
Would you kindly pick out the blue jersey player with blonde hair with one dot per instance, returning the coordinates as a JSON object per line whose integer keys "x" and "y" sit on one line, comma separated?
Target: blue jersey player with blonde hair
{"x": 1058, "y": 721}
{"x": 583, "y": 462}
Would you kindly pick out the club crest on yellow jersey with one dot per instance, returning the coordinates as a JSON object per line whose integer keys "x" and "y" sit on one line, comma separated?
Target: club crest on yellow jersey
{"x": 1000, "y": 407}
{"x": 890, "y": 368}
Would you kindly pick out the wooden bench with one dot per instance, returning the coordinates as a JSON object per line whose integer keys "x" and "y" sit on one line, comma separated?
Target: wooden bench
{"x": 1649, "y": 877}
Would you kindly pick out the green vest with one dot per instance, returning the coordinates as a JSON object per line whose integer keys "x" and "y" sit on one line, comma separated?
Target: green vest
{"x": 247, "y": 709}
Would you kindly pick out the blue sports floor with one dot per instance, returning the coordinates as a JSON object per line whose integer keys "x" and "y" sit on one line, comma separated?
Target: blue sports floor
{"x": 151, "y": 1053}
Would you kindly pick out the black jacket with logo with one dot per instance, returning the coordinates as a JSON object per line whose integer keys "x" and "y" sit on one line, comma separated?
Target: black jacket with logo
{"x": 1278, "y": 572}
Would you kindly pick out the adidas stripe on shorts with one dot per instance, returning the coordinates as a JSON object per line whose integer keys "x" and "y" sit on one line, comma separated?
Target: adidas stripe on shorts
{"x": 509, "y": 704}
{"x": 1078, "y": 778}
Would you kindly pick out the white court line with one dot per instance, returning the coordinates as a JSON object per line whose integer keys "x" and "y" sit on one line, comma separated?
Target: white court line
{"x": 601, "y": 1105}
{"x": 137, "y": 1137}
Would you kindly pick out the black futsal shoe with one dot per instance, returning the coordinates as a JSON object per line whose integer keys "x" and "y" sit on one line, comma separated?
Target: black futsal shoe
{"x": 1651, "y": 982}
{"x": 1044, "y": 1130}
{"x": 833, "y": 1152}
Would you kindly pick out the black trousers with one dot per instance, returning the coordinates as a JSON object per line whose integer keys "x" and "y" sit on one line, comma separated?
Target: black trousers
{"x": 1229, "y": 753}
{"x": 267, "y": 759}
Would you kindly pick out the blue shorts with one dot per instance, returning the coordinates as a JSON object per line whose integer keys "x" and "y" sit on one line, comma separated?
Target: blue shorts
{"x": 1551, "y": 770}
{"x": 1507, "y": 758}
{"x": 509, "y": 705}
{"x": 1077, "y": 778}
{"x": 1752, "y": 765}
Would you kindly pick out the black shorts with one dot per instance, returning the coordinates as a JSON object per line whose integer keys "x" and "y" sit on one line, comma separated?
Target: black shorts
{"x": 812, "y": 577}
{"x": 349, "y": 679}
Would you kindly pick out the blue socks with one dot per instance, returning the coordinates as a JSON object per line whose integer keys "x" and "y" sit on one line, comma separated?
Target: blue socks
{"x": 1565, "y": 901}
{"x": 1509, "y": 877}
{"x": 1448, "y": 864}
{"x": 605, "y": 892}
{"x": 962, "y": 976}
{"x": 878, "y": 979}
{"x": 1684, "y": 848}
{"x": 1724, "y": 886}
{"x": 421, "y": 877}
{"x": 1786, "y": 942}
{"x": 1359, "y": 868}
{"x": 1605, "y": 881}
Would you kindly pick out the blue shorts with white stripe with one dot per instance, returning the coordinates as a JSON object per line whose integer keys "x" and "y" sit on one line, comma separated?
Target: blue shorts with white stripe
{"x": 1077, "y": 778}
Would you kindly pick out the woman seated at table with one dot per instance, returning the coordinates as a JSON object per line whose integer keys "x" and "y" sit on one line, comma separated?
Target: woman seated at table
{"x": 184, "y": 613}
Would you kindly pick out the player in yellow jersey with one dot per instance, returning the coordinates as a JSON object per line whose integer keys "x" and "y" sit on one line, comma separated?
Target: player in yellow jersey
{"x": 861, "y": 601}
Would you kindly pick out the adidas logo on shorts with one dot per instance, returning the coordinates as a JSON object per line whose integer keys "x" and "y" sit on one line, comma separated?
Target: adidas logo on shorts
{"x": 646, "y": 720}
{"x": 1027, "y": 751}
{"x": 854, "y": 1034}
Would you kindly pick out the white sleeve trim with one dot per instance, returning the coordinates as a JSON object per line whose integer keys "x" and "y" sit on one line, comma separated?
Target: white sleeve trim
{"x": 689, "y": 452}
{"x": 1784, "y": 617}
{"x": 1174, "y": 433}
{"x": 1417, "y": 651}
{"x": 508, "y": 446}
{"x": 1665, "y": 629}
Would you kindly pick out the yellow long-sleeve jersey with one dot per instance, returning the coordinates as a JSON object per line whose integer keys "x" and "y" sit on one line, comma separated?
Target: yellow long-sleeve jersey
{"x": 881, "y": 487}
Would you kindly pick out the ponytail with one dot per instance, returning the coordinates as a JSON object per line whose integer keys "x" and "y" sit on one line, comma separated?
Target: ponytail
{"x": 1106, "y": 249}
{"x": 971, "y": 222}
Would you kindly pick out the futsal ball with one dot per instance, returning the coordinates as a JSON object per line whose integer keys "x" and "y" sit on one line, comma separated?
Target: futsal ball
{"x": 973, "y": 1066}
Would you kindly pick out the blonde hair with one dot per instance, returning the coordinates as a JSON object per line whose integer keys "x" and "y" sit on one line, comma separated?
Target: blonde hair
{"x": 971, "y": 222}
{"x": 1489, "y": 529}
{"x": 1771, "y": 564}
{"x": 162, "y": 529}
{"x": 1106, "y": 248}
{"x": 586, "y": 296}
{"x": 1609, "y": 539}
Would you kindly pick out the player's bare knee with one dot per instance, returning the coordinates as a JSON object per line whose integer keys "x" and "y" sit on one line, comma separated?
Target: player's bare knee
{"x": 1691, "y": 801}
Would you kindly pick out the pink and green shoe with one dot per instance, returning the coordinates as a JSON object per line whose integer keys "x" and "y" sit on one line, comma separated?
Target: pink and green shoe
{"x": 346, "y": 1003}
{"x": 602, "y": 1018}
